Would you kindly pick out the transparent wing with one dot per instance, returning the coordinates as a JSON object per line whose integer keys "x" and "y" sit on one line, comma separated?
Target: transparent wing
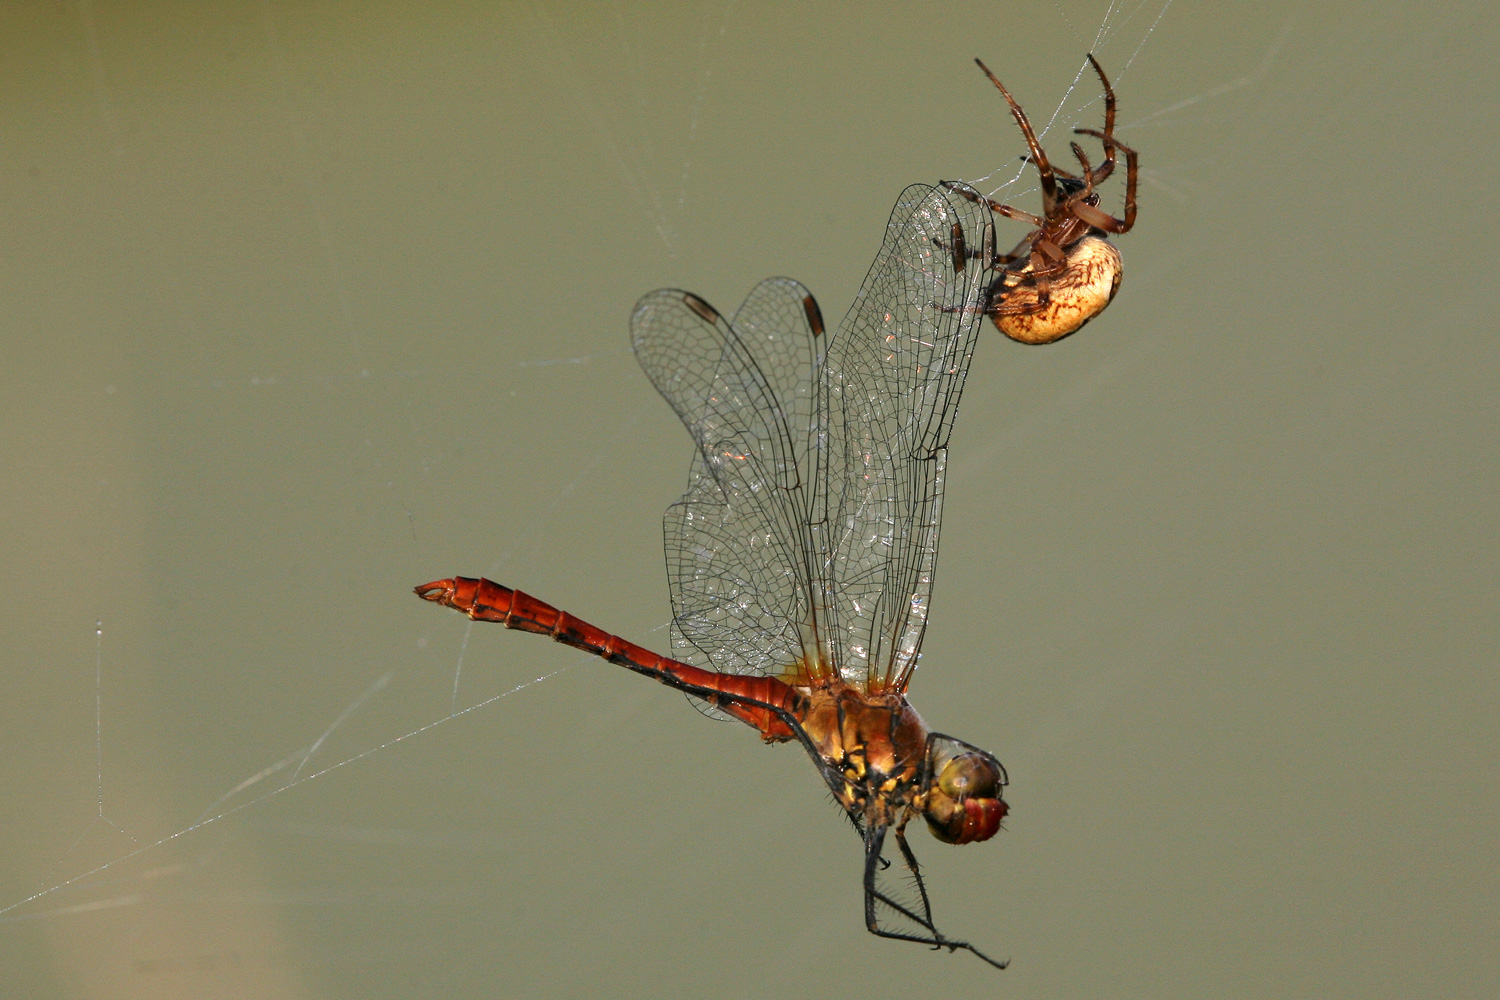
{"x": 888, "y": 396}
{"x": 737, "y": 543}
{"x": 808, "y": 533}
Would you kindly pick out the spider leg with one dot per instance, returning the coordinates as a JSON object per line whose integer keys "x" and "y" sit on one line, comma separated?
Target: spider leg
{"x": 1109, "y": 223}
{"x": 1088, "y": 174}
{"x": 1000, "y": 308}
{"x": 1018, "y": 215}
{"x": 965, "y": 190}
{"x": 1056, "y": 170}
{"x": 1108, "y": 138}
{"x": 1021, "y": 250}
{"x": 1046, "y": 260}
{"x": 1043, "y": 258}
{"x": 1043, "y": 168}
{"x": 1098, "y": 219}
{"x": 1046, "y": 250}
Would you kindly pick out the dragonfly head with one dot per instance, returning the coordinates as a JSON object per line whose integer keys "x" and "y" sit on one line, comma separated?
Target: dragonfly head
{"x": 963, "y": 802}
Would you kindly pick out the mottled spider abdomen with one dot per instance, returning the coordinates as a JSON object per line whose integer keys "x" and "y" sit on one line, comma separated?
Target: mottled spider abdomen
{"x": 1076, "y": 293}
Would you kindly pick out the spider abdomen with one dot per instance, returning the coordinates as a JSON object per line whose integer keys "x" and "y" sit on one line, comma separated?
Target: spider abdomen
{"x": 1076, "y": 293}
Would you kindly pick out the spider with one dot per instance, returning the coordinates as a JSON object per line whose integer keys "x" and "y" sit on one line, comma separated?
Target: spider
{"x": 1065, "y": 271}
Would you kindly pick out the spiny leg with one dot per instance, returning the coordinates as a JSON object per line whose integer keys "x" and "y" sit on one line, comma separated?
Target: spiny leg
{"x": 916, "y": 873}
{"x": 967, "y": 191}
{"x": 1088, "y": 175}
{"x": 873, "y": 839}
{"x": 1021, "y": 249}
{"x": 1131, "y": 174}
{"x": 1044, "y": 169}
{"x": 1108, "y": 138}
{"x": 1078, "y": 203}
{"x": 1058, "y": 172}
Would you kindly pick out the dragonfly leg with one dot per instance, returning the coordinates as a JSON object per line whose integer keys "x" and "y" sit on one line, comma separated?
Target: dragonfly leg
{"x": 874, "y": 838}
{"x": 916, "y": 872}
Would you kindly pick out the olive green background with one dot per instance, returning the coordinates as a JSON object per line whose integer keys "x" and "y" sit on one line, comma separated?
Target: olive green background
{"x": 305, "y": 303}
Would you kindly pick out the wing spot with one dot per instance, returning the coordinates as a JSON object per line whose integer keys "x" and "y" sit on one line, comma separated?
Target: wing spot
{"x": 814, "y": 315}
{"x": 705, "y": 311}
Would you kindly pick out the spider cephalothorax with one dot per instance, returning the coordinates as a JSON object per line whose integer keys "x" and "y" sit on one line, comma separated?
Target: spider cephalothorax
{"x": 1065, "y": 271}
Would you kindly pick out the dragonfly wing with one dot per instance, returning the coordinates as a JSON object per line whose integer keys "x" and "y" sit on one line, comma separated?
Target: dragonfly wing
{"x": 889, "y": 393}
{"x": 736, "y": 545}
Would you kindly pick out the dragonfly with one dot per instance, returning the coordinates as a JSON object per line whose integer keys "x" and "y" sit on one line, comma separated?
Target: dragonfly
{"x": 802, "y": 557}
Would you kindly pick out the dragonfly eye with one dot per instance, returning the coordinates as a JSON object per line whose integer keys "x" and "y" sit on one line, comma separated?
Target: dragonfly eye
{"x": 970, "y": 774}
{"x": 965, "y": 805}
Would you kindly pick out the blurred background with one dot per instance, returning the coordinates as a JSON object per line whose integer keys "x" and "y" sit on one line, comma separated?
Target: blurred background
{"x": 307, "y": 303}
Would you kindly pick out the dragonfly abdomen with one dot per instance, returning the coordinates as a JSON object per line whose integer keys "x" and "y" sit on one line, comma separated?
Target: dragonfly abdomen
{"x": 756, "y": 701}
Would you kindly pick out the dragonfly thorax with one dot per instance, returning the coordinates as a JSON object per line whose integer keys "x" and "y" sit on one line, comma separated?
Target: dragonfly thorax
{"x": 874, "y": 745}
{"x": 885, "y": 766}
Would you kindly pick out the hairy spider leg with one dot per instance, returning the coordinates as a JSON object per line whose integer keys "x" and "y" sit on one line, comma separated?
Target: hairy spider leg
{"x": 1088, "y": 176}
{"x": 1107, "y": 166}
{"x": 1083, "y": 205}
{"x": 967, "y": 190}
{"x": 1109, "y": 223}
{"x": 1108, "y": 138}
{"x": 1044, "y": 169}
